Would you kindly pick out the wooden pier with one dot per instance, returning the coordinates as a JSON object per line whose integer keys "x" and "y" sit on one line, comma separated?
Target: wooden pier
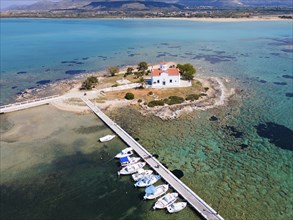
{"x": 28, "y": 104}
{"x": 194, "y": 200}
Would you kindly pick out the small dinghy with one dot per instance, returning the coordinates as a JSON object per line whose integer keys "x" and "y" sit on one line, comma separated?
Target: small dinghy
{"x": 176, "y": 207}
{"x": 153, "y": 192}
{"x": 165, "y": 201}
{"x": 107, "y": 138}
{"x": 141, "y": 173}
{"x": 125, "y": 152}
{"x": 147, "y": 180}
{"x": 130, "y": 169}
{"x": 125, "y": 161}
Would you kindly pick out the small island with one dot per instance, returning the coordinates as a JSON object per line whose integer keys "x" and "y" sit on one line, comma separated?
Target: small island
{"x": 165, "y": 90}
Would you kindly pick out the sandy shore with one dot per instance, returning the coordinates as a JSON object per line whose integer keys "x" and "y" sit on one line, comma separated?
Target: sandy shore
{"x": 254, "y": 18}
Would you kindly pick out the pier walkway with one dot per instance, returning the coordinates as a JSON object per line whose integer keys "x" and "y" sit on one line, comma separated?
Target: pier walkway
{"x": 194, "y": 200}
{"x": 28, "y": 104}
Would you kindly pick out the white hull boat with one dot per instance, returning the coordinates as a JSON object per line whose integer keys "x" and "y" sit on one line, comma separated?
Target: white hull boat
{"x": 130, "y": 169}
{"x": 125, "y": 152}
{"x": 166, "y": 200}
{"x": 125, "y": 161}
{"x": 154, "y": 192}
{"x": 176, "y": 207}
{"x": 141, "y": 173}
{"x": 147, "y": 180}
{"x": 107, "y": 138}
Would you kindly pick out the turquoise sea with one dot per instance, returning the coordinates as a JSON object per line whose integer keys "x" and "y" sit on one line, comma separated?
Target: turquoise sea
{"x": 237, "y": 157}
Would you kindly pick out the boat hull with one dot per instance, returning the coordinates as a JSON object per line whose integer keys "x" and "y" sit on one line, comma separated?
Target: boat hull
{"x": 138, "y": 176}
{"x": 107, "y": 138}
{"x": 130, "y": 169}
{"x": 160, "y": 190}
{"x": 132, "y": 160}
{"x": 166, "y": 200}
{"x": 151, "y": 181}
{"x": 176, "y": 207}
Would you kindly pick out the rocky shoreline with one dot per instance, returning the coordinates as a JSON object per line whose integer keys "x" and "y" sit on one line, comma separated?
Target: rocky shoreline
{"x": 216, "y": 96}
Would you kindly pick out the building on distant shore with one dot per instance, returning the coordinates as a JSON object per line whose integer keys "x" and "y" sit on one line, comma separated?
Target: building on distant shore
{"x": 165, "y": 76}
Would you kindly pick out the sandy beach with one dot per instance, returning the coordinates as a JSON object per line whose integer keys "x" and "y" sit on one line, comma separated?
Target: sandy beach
{"x": 253, "y": 18}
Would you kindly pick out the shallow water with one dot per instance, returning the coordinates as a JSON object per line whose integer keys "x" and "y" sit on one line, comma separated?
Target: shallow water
{"x": 237, "y": 157}
{"x": 61, "y": 171}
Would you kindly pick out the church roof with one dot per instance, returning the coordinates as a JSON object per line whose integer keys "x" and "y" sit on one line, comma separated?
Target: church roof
{"x": 170, "y": 72}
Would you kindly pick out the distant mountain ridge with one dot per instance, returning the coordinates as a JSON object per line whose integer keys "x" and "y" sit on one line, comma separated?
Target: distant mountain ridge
{"x": 146, "y": 4}
{"x": 102, "y": 5}
{"x": 234, "y": 3}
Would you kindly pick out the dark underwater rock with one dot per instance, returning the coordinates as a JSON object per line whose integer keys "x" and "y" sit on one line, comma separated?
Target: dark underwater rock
{"x": 43, "y": 82}
{"x": 262, "y": 81}
{"x": 21, "y": 72}
{"x": 288, "y": 76}
{"x": 178, "y": 173}
{"x": 213, "y": 118}
{"x": 280, "y": 83}
{"x": 278, "y": 135}
{"x": 234, "y": 132}
{"x": 74, "y": 72}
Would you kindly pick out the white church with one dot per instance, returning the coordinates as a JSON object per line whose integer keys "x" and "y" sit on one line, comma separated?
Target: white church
{"x": 165, "y": 76}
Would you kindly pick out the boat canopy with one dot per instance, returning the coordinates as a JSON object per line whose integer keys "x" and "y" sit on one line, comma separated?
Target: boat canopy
{"x": 150, "y": 190}
{"x": 124, "y": 159}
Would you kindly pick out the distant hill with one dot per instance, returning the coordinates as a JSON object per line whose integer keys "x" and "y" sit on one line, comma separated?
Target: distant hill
{"x": 138, "y": 5}
{"x": 102, "y": 5}
{"x": 235, "y": 3}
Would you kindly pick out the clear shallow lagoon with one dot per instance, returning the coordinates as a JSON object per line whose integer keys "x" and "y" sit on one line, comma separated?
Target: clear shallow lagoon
{"x": 244, "y": 157}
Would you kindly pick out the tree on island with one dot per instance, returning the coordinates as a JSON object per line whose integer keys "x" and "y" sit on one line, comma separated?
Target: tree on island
{"x": 89, "y": 83}
{"x": 187, "y": 71}
{"x": 129, "y": 71}
{"x": 142, "y": 66}
{"x": 113, "y": 70}
{"x": 142, "y": 82}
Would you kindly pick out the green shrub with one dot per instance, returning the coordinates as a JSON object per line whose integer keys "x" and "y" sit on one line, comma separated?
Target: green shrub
{"x": 129, "y": 96}
{"x": 139, "y": 101}
{"x": 175, "y": 100}
{"x": 114, "y": 85}
{"x": 113, "y": 70}
{"x": 192, "y": 97}
{"x": 89, "y": 83}
{"x": 156, "y": 103}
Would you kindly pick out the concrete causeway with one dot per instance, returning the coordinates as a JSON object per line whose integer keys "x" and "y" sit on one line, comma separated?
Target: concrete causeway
{"x": 192, "y": 198}
{"x": 28, "y": 104}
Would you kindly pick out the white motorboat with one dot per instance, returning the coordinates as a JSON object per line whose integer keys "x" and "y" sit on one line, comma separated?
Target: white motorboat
{"x": 153, "y": 192}
{"x": 166, "y": 200}
{"x": 130, "y": 169}
{"x": 107, "y": 138}
{"x": 125, "y": 161}
{"x": 141, "y": 173}
{"x": 125, "y": 152}
{"x": 147, "y": 180}
{"x": 176, "y": 207}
